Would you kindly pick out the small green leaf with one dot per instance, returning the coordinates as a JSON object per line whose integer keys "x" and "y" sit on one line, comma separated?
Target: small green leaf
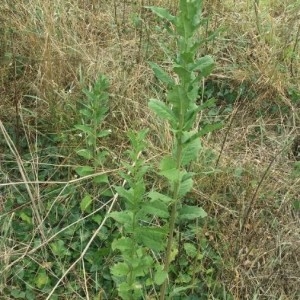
{"x": 85, "y": 203}
{"x": 26, "y": 218}
{"x": 178, "y": 290}
{"x": 191, "y": 212}
{"x": 85, "y": 128}
{"x": 169, "y": 170}
{"x": 122, "y": 244}
{"x": 205, "y": 65}
{"x": 120, "y": 269}
{"x": 190, "y": 249}
{"x": 126, "y": 194}
{"x": 162, "y": 13}
{"x": 17, "y": 294}
{"x": 185, "y": 187}
{"x": 154, "y": 196}
{"x": 183, "y": 73}
{"x": 162, "y": 110}
{"x": 161, "y": 74}
{"x": 160, "y": 276}
{"x": 167, "y": 163}
{"x": 157, "y": 208}
{"x": 41, "y": 279}
{"x": 84, "y": 171}
{"x": 85, "y": 153}
{"x": 59, "y": 249}
{"x": 123, "y": 217}
{"x": 97, "y": 218}
{"x": 100, "y": 157}
{"x": 103, "y": 178}
{"x": 190, "y": 151}
{"x": 103, "y": 133}
{"x": 152, "y": 237}
{"x": 206, "y": 129}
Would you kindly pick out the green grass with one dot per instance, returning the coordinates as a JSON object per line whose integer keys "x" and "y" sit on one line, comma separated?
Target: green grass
{"x": 54, "y": 225}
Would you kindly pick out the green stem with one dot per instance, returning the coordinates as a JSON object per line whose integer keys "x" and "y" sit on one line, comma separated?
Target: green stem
{"x": 173, "y": 213}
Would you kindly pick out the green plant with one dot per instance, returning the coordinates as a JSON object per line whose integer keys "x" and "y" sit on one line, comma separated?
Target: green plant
{"x": 139, "y": 235}
{"x": 93, "y": 113}
{"x": 181, "y": 110}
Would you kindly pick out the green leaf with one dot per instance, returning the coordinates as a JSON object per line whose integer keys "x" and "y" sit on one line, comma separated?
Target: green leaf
{"x": 191, "y": 212}
{"x": 154, "y": 196}
{"x": 85, "y": 153}
{"x": 206, "y": 129}
{"x": 161, "y": 74}
{"x": 120, "y": 269}
{"x": 122, "y": 217}
{"x": 126, "y": 194}
{"x": 160, "y": 276}
{"x": 169, "y": 170}
{"x": 86, "y": 202}
{"x": 190, "y": 151}
{"x": 157, "y": 208}
{"x": 177, "y": 291}
{"x": 85, "y": 128}
{"x": 123, "y": 244}
{"x": 17, "y": 294}
{"x": 162, "y": 13}
{"x": 152, "y": 237}
{"x": 84, "y": 171}
{"x": 190, "y": 249}
{"x": 41, "y": 279}
{"x": 100, "y": 157}
{"x": 97, "y": 218}
{"x": 167, "y": 163}
{"x": 104, "y": 133}
{"x": 103, "y": 178}
{"x": 183, "y": 73}
{"x": 26, "y": 218}
{"x": 59, "y": 249}
{"x": 205, "y": 65}
{"x": 162, "y": 110}
{"x": 185, "y": 187}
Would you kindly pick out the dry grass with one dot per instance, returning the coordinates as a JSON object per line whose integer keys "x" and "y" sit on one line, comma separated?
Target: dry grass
{"x": 50, "y": 50}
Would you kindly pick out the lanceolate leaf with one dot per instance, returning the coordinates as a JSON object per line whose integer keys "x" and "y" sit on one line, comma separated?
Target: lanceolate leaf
{"x": 206, "y": 129}
{"x": 152, "y": 237}
{"x": 84, "y": 128}
{"x": 190, "y": 151}
{"x": 162, "y": 13}
{"x": 123, "y": 217}
{"x": 185, "y": 187}
{"x": 154, "y": 196}
{"x": 205, "y": 65}
{"x": 84, "y": 171}
{"x": 162, "y": 110}
{"x": 85, "y": 202}
{"x": 122, "y": 244}
{"x": 191, "y": 212}
{"x": 161, "y": 74}
{"x": 156, "y": 208}
{"x": 87, "y": 154}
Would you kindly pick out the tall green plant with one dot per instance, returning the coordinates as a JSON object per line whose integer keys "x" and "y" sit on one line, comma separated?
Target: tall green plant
{"x": 181, "y": 110}
{"x": 136, "y": 268}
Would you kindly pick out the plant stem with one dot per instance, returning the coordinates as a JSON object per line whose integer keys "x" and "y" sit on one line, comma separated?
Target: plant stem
{"x": 173, "y": 213}
{"x": 169, "y": 249}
